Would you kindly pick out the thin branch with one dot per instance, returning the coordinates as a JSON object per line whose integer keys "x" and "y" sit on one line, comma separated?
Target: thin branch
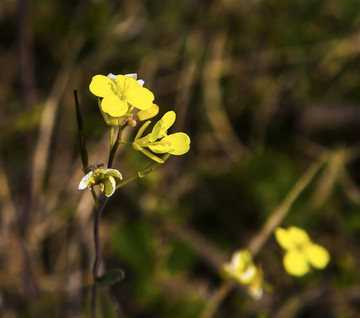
{"x": 97, "y": 261}
{"x": 278, "y": 215}
{"x": 260, "y": 239}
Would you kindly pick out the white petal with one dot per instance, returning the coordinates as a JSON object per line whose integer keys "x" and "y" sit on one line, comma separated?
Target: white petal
{"x": 141, "y": 82}
{"x": 133, "y": 75}
{"x": 83, "y": 183}
{"x": 248, "y": 275}
{"x": 116, "y": 173}
{"x": 111, "y": 76}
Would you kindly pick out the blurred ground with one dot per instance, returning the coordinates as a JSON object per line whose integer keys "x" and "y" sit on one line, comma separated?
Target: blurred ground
{"x": 263, "y": 88}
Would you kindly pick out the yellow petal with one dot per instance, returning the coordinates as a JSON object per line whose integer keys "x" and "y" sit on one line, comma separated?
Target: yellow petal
{"x": 148, "y": 113}
{"x": 155, "y": 133}
{"x": 111, "y": 121}
{"x": 299, "y": 236}
{"x": 133, "y": 93}
{"x": 295, "y": 263}
{"x": 180, "y": 142}
{"x": 317, "y": 255}
{"x": 242, "y": 259}
{"x": 284, "y": 239}
{"x": 140, "y": 98}
{"x": 161, "y": 146}
{"x": 102, "y": 86}
{"x": 109, "y": 186}
{"x": 168, "y": 120}
{"x": 114, "y": 106}
{"x": 175, "y": 144}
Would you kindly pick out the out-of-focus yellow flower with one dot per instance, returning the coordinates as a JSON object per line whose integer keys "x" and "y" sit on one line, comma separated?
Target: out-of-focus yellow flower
{"x": 159, "y": 141}
{"x": 245, "y": 272}
{"x": 301, "y": 253}
{"x": 119, "y": 95}
{"x": 105, "y": 178}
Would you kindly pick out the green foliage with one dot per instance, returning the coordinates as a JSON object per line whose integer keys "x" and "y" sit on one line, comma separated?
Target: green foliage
{"x": 133, "y": 244}
{"x": 181, "y": 258}
{"x": 268, "y": 177}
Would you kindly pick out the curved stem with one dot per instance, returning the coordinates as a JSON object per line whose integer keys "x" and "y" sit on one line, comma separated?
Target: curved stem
{"x": 97, "y": 245}
{"x": 96, "y": 200}
{"x": 97, "y": 260}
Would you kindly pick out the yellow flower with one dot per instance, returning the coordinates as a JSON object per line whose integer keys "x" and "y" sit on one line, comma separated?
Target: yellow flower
{"x": 245, "y": 272}
{"x": 301, "y": 253}
{"x": 159, "y": 141}
{"x": 120, "y": 95}
{"x": 105, "y": 178}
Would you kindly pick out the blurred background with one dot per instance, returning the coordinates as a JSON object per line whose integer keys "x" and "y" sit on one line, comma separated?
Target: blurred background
{"x": 264, "y": 89}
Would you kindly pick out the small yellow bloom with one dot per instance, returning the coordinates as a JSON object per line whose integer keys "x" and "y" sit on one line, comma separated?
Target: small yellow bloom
{"x": 159, "y": 141}
{"x": 301, "y": 253}
{"x": 105, "y": 178}
{"x": 245, "y": 272}
{"x": 120, "y": 95}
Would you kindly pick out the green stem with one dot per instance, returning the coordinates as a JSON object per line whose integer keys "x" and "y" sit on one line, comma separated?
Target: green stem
{"x": 97, "y": 245}
{"x": 96, "y": 200}
{"x": 114, "y": 147}
{"x": 111, "y": 136}
{"x": 142, "y": 173}
{"x": 125, "y": 142}
{"x": 279, "y": 214}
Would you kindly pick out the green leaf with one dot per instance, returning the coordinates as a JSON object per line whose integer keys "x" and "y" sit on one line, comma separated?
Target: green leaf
{"x": 110, "y": 277}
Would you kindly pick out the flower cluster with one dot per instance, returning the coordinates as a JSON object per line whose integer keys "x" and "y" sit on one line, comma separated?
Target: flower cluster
{"x": 123, "y": 100}
{"x": 245, "y": 272}
{"x": 300, "y": 252}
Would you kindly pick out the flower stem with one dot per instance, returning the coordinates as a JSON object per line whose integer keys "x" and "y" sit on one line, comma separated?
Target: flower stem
{"x": 97, "y": 245}
{"x": 96, "y": 266}
{"x": 142, "y": 173}
{"x": 114, "y": 147}
{"x": 111, "y": 137}
{"x": 96, "y": 200}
